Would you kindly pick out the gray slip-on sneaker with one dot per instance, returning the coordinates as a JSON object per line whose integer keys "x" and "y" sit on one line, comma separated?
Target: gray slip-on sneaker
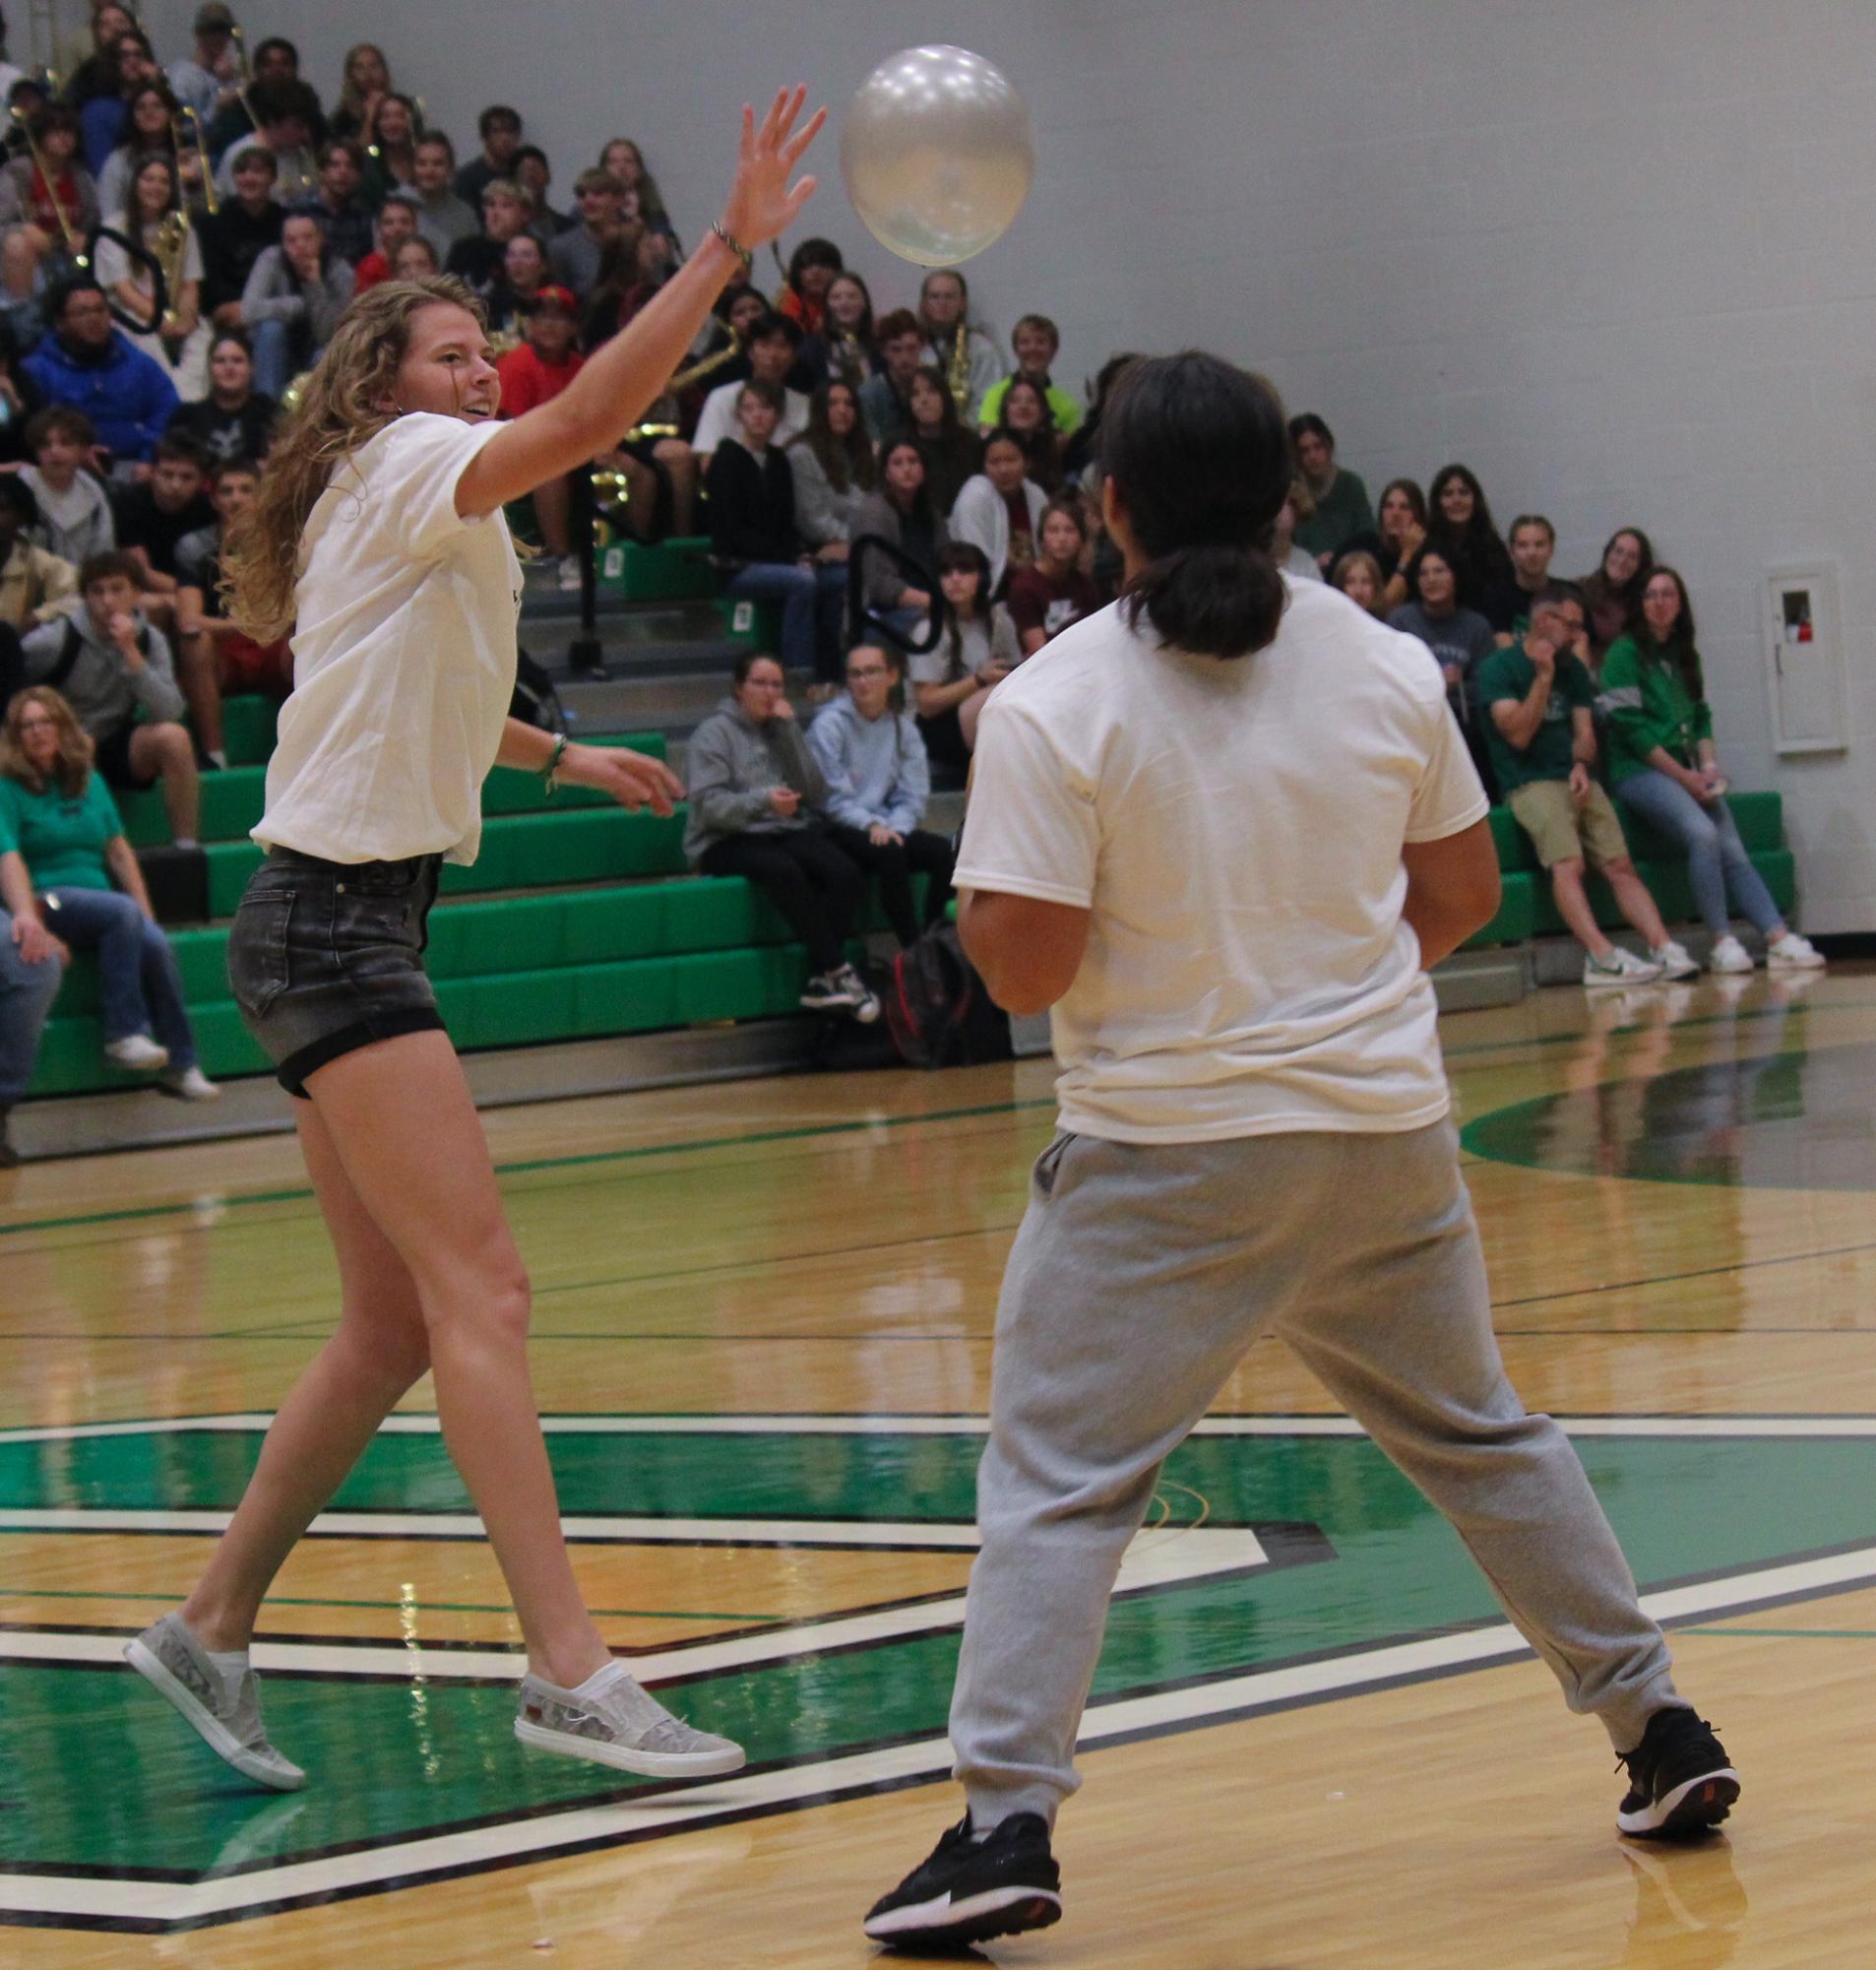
{"x": 226, "y": 1716}
{"x": 619, "y": 1724}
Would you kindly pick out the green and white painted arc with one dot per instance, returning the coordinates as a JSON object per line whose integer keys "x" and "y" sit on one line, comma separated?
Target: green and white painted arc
{"x": 417, "y": 1771}
{"x": 1787, "y": 1120}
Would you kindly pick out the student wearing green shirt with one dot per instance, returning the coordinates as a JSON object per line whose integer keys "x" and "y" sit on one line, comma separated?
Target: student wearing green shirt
{"x": 1341, "y": 500}
{"x": 1538, "y": 699}
{"x": 1036, "y": 342}
{"x": 1664, "y": 769}
{"x": 66, "y": 868}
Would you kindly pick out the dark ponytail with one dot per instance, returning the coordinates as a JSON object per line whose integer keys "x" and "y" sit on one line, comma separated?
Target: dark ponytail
{"x": 1199, "y": 454}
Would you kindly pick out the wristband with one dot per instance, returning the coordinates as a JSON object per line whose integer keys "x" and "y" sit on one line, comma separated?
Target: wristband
{"x": 554, "y": 758}
{"x": 731, "y": 241}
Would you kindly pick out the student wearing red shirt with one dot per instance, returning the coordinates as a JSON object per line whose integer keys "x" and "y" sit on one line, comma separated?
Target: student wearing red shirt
{"x": 532, "y": 375}
{"x": 1046, "y": 598}
{"x": 397, "y": 222}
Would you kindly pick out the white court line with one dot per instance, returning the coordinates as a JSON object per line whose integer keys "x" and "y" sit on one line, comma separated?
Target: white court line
{"x": 169, "y": 1903}
{"x": 797, "y": 1425}
{"x": 939, "y": 1535}
{"x": 1161, "y": 1557}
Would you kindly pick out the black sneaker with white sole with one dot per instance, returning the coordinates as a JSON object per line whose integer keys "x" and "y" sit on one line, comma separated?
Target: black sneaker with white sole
{"x": 1680, "y": 1783}
{"x": 824, "y": 993}
{"x": 971, "y": 1889}
{"x": 862, "y": 1000}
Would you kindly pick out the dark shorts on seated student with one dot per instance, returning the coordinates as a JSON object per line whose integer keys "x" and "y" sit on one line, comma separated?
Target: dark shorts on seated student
{"x": 112, "y": 760}
{"x": 328, "y": 957}
{"x": 1562, "y": 831}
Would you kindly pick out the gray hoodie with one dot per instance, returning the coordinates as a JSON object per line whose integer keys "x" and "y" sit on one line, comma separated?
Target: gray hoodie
{"x": 732, "y": 765}
{"x": 103, "y": 689}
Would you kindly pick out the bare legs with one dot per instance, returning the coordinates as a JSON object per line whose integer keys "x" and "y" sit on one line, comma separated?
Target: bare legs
{"x": 200, "y": 690}
{"x": 167, "y": 753}
{"x": 430, "y": 1275}
{"x": 677, "y": 459}
{"x": 1631, "y": 896}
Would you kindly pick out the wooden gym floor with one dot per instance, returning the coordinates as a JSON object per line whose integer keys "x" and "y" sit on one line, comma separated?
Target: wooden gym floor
{"x": 763, "y": 1345}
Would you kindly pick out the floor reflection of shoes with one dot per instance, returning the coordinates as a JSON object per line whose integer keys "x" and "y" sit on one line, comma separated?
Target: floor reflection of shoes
{"x": 1690, "y": 1908}
{"x": 1788, "y": 987}
{"x": 1610, "y": 1010}
{"x": 1677, "y": 1001}
{"x": 257, "y": 1837}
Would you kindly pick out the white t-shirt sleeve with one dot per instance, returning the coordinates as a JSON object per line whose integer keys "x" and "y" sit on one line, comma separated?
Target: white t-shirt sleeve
{"x": 414, "y": 478}
{"x": 1030, "y": 829}
{"x": 717, "y": 418}
{"x": 1448, "y": 799}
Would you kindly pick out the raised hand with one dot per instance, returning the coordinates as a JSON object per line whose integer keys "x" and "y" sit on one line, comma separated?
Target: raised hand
{"x": 762, "y": 204}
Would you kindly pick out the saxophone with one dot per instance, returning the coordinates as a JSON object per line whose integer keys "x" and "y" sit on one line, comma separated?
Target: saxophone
{"x": 958, "y": 367}
{"x": 171, "y": 253}
{"x": 845, "y": 351}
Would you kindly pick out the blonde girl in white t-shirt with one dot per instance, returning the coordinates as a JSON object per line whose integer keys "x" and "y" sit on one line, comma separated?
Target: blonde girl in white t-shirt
{"x": 378, "y": 532}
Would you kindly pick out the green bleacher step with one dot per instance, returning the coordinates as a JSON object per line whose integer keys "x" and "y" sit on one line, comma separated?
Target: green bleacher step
{"x": 674, "y": 570}
{"x": 521, "y": 1008}
{"x": 756, "y": 625}
{"x": 232, "y": 799}
{"x": 249, "y": 729}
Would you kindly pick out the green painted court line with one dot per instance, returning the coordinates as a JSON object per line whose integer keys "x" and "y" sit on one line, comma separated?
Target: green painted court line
{"x": 143, "y": 1212}
{"x": 422, "y": 1606}
{"x": 1792, "y": 1634}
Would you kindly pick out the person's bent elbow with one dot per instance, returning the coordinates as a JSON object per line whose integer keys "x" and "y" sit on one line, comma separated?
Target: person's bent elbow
{"x": 1027, "y": 951}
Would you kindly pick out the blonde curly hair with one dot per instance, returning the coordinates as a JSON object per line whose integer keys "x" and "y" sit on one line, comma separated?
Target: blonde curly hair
{"x": 341, "y": 411}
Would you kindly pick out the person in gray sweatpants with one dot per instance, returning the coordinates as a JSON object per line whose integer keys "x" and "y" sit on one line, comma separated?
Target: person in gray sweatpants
{"x": 1220, "y": 830}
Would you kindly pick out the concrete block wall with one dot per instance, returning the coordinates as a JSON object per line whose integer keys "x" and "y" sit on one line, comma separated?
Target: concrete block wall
{"x": 1620, "y": 258}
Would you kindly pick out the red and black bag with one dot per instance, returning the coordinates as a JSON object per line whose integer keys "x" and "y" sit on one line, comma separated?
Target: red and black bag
{"x": 936, "y": 1004}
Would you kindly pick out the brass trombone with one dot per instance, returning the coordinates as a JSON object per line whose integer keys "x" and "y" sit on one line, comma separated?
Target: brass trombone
{"x": 184, "y": 125}
{"x": 246, "y": 68}
{"x": 74, "y": 244}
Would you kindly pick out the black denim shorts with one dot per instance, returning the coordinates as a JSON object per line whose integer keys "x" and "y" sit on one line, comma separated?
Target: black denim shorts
{"x": 327, "y": 956}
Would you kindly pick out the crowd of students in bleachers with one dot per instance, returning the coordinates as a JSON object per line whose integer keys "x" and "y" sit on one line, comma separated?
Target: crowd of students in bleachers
{"x": 804, "y": 422}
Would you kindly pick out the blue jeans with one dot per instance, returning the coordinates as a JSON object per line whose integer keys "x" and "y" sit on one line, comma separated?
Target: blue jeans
{"x": 813, "y": 612}
{"x": 140, "y": 985}
{"x": 1717, "y": 859}
{"x": 280, "y": 354}
{"x": 274, "y": 365}
{"x": 26, "y": 992}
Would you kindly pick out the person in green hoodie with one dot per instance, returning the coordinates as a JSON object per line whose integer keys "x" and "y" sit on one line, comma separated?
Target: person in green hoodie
{"x": 1666, "y": 770}
{"x": 1537, "y": 698}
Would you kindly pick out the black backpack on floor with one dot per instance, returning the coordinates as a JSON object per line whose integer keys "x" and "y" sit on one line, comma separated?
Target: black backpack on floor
{"x": 939, "y": 1011}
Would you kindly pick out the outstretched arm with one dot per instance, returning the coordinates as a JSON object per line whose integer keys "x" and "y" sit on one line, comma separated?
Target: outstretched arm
{"x": 614, "y": 390}
{"x": 632, "y": 778}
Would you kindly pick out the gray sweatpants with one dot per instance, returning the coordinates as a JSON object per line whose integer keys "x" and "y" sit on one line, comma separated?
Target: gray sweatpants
{"x": 1139, "y": 1277}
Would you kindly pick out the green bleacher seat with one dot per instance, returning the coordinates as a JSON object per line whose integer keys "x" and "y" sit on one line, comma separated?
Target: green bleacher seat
{"x": 674, "y": 570}
{"x": 232, "y": 799}
{"x": 249, "y": 729}
{"x": 1513, "y": 923}
{"x": 757, "y": 625}
{"x": 1660, "y": 862}
{"x": 612, "y": 934}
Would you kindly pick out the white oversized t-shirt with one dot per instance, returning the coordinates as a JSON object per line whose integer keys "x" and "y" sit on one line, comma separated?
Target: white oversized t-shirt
{"x": 1235, "y": 830}
{"x": 403, "y": 656}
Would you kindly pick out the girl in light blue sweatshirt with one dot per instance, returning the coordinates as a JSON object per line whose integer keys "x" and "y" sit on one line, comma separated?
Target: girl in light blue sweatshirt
{"x": 878, "y": 781}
